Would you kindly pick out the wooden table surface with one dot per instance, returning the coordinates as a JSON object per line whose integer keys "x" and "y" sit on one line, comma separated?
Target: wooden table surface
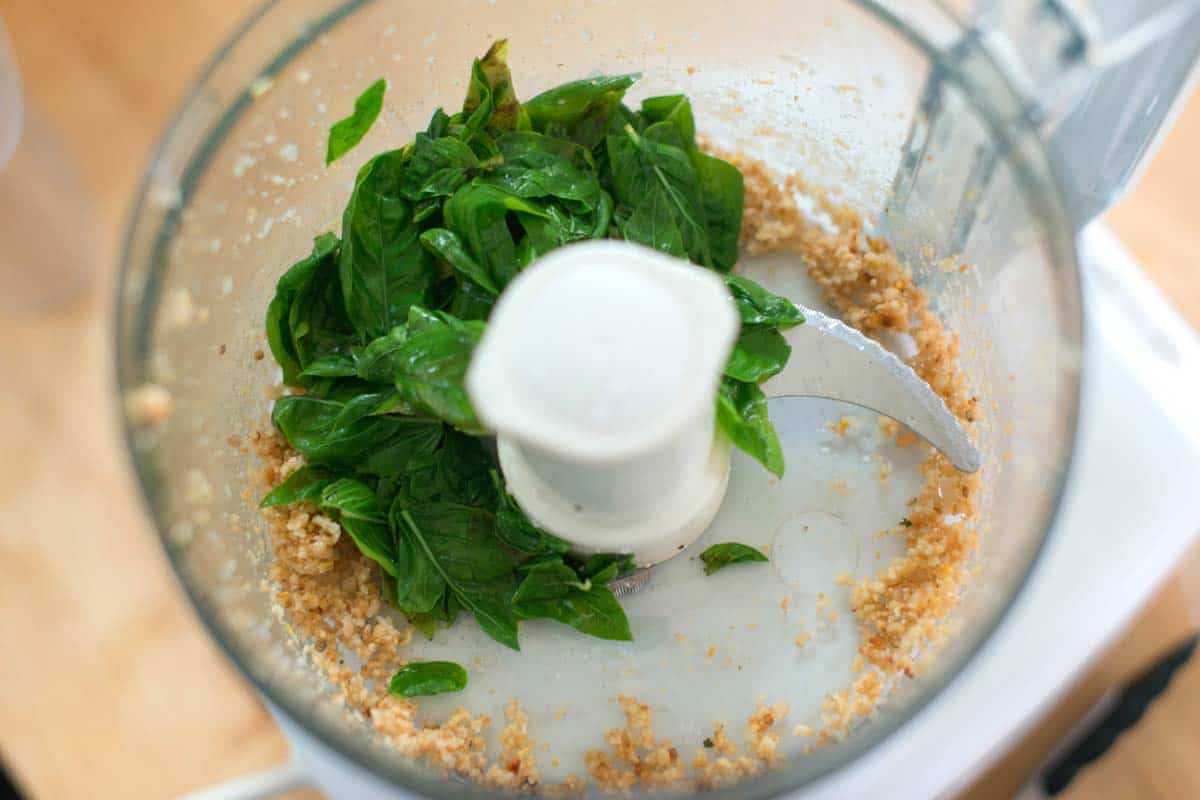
{"x": 108, "y": 686}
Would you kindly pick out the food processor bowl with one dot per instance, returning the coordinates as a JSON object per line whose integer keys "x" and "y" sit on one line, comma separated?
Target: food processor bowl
{"x": 835, "y": 91}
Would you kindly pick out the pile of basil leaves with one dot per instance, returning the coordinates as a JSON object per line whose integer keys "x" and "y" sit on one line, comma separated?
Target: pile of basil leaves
{"x": 377, "y": 328}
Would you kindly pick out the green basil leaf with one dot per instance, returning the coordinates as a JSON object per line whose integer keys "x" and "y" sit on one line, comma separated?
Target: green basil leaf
{"x": 723, "y": 195}
{"x": 420, "y": 585}
{"x": 456, "y": 541}
{"x": 364, "y": 516}
{"x": 444, "y": 613}
{"x": 761, "y": 352}
{"x": 321, "y": 262}
{"x": 675, "y": 109}
{"x": 334, "y": 365}
{"x": 471, "y": 301}
{"x": 436, "y": 167}
{"x": 568, "y": 104}
{"x": 757, "y": 306}
{"x": 742, "y": 415}
{"x": 653, "y": 222}
{"x": 461, "y": 470}
{"x": 491, "y": 101}
{"x": 430, "y": 366}
{"x": 479, "y": 215}
{"x": 550, "y": 579}
{"x": 726, "y": 553}
{"x": 552, "y": 590}
{"x": 553, "y": 228}
{"x": 382, "y": 266}
{"x": 605, "y": 567}
{"x": 348, "y": 132}
{"x": 658, "y": 182}
{"x": 439, "y": 124}
{"x": 303, "y": 485}
{"x": 373, "y": 445}
{"x": 537, "y": 166}
{"x": 516, "y": 530}
{"x": 374, "y": 362}
{"x": 428, "y": 677}
{"x": 447, "y": 246}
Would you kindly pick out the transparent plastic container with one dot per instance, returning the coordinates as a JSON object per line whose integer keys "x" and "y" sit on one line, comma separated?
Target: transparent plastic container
{"x": 851, "y": 92}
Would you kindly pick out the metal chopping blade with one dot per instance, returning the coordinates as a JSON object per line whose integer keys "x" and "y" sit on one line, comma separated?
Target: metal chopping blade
{"x": 834, "y": 361}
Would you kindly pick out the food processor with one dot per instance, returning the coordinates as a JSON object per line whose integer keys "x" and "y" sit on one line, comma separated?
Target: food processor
{"x": 965, "y": 136}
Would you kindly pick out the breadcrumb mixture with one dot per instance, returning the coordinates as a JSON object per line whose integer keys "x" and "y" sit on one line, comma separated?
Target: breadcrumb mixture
{"x": 328, "y": 592}
{"x": 901, "y": 609}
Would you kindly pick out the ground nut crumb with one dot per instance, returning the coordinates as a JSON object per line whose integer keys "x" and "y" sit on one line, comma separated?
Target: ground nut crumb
{"x": 149, "y": 404}
{"x": 516, "y": 768}
{"x": 900, "y": 610}
{"x": 328, "y": 592}
{"x": 637, "y": 756}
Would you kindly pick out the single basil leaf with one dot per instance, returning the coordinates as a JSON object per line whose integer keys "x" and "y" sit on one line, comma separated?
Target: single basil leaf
{"x": 298, "y": 277}
{"x": 761, "y": 352}
{"x": 516, "y": 530}
{"x": 382, "y": 266}
{"x": 318, "y": 321}
{"x": 385, "y": 401}
{"x": 420, "y": 585}
{"x": 364, "y": 516}
{"x": 427, "y": 209}
{"x": 723, "y": 195}
{"x": 657, "y": 180}
{"x": 479, "y": 215}
{"x": 553, "y": 591}
{"x": 549, "y": 579}
{"x": 491, "y": 88}
{"x": 429, "y": 368}
{"x": 653, "y": 222}
{"x": 439, "y": 123}
{"x": 334, "y": 365}
{"x": 568, "y": 104}
{"x": 373, "y": 445}
{"x": 457, "y": 542}
{"x": 757, "y": 306}
{"x": 675, "y": 109}
{"x": 303, "y": 485}
{"x": 604, "y": 215}
{"x": 471, "y": 301}
{"x": 536, "y": 166}
{"x": 436, "y": 167}
{"x": 742, "y": 415}
{"x": 593, "y": 132}
{"x": 445, "y": 613}
{"x": 447, "y": 246}
{"x": 605, "y": 567}
{"x": 428, "y": 677}
{"x": 374, "y": 362}
{"x": 460, "y": 470}
{"x": 557, "y": 226}
{"x": 348, "y": 132}
{"x": 722, "y": 555}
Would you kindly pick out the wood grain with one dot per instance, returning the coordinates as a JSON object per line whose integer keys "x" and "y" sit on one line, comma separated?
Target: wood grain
{"x": 108, "y": 686}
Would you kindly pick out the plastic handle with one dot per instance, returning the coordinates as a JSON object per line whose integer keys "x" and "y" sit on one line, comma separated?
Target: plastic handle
{"x": 1104, "y": 78}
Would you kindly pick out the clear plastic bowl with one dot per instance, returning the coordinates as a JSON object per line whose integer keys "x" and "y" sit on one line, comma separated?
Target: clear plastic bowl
{"x": 238, "y": 188}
